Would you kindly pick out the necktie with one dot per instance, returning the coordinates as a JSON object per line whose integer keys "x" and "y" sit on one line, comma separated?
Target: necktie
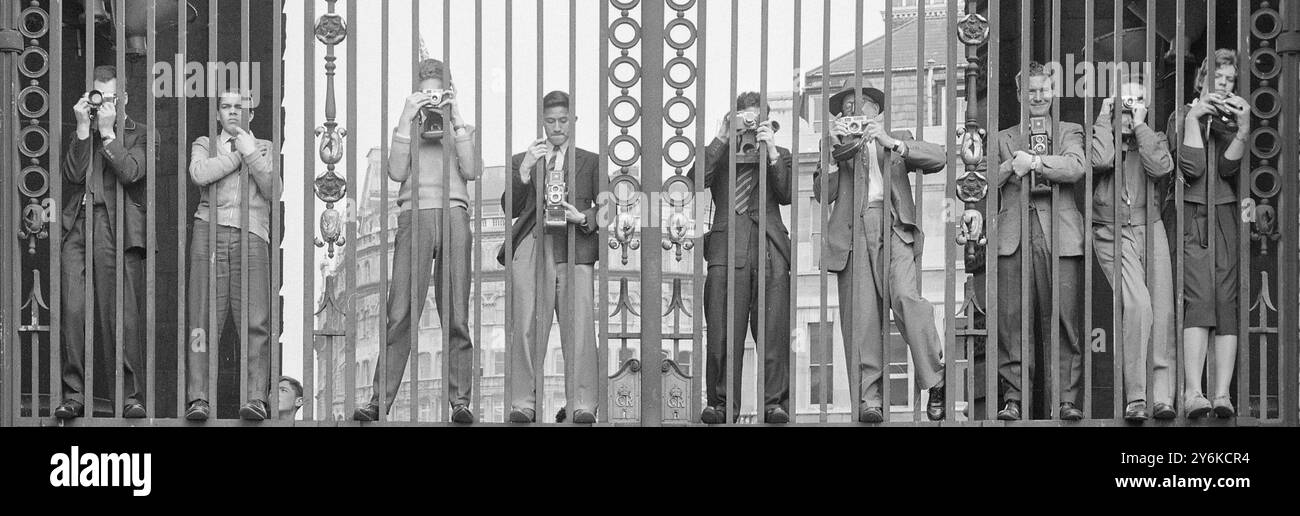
{"x": 555, "y": 154}
{"x": 744, "y": 189}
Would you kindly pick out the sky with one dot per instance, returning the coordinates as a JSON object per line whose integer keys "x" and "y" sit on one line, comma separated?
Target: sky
{"x": 367, "y": 31}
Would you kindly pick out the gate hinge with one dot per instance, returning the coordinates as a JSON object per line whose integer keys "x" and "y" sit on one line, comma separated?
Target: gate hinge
{"x": 1288, "y": 42}
{"x": 11, "y": 41}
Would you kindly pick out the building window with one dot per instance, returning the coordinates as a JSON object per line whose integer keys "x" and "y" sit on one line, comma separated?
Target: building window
{"x": 426, "y": 366}
{"x": 499, "y": 362}
{"x": 820, "y": 363}
{"x": 557, "y": 363}
{"x": 684, "y": 361}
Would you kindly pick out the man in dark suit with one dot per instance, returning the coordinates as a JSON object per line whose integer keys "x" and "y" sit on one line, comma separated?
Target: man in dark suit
{"x": 1058, "y": 161}
{"x": 103, "y": 167}
{"x": 747, "y": 211}
{"x": 566, "y": 290}
{"x": 858, "y": 193}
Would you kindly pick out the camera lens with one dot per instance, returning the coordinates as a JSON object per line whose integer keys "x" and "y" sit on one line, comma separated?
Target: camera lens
{"x": 95, "y": 98}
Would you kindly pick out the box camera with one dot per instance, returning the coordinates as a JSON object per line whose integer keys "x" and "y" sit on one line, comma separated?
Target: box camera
{"x": 433, "y": 127}
{"x": 746, "y": 124}
{"x": 1128, "y": 103}
{"x": 556, "y": 190}
{"x": 1223, "y": 122}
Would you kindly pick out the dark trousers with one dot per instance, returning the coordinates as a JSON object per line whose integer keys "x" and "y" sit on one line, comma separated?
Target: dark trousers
{"x": 225, "y": 262}
{"x": 432, "y": 243}
{"x": 1070, "y": 285}
{"x": 776, "y": 362}
{"x": 72, "y": 325}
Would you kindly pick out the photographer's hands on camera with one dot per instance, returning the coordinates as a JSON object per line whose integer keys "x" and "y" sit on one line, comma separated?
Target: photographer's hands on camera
{"x": 535, "y": 154}
{"x": 764, "y": 133}
{"x": 1214, "y": 103}
{"x": 420, "y": 101}
{"x": 103, "y": 117}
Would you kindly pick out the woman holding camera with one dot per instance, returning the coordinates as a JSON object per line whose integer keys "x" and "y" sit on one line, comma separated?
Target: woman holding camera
{"x": 1214, "y": 126}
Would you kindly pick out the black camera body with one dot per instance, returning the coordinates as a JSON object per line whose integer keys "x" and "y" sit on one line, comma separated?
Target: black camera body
{"x": 1223, "y": 122}
{"x": 556, "y": 190}
{"x": 1040, "y": 144}
{"x": 746, "y": 125}
{"x": 432, "y": 125}
{"x": 94, "y": 100}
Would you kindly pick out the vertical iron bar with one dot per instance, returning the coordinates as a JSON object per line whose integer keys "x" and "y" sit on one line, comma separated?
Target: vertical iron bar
{"x": 698, "y": 270}
{"x": 1180, "y": 52}
{"x": 151, "y": 223}
{"x": 352, "y": 215}
{"x": 309, "y": 214}
{"x": 860, "y": 260}
{"x": 792, "y": 361}
{"x": 991, "y": 211}
{"x": 1288, "y": 256}
{"x": 652, "y": 53}
{"x": 1243, "y": 240}
{"x": 601, "y": 302}
{"x": 760, "y": 336}
{"x": 732, "y": 398}
{"x": 444, "y": 244}
{"x": 277, "y": 138}
{"x": 951, "y": 221}
{"x": 1149, "y": 187}
{"x": 1211, "y": 175}
{"x": 88, "y": 203}
{"x": 1086, "y": 329}
{"x": 182, "y": 217}
{"x": 1025, "y": 249}
{"x": 922, "y": 109}
{"x": 214, "y": 331}
{"x": 887, "y": 218}
{"x": 119, "y": 223}
{"x": 414, "y": 187}
{"x": 1053, "y": 364}
{"x": 507, "y": 393}
{"x": 572, "y": 181}
{"x": 476, "y": 372}
{"x": 381, "y": 362}
{"x": 1120, "y": 183}
{"x": 825, "y": 338}
{"x": 245, "y": 93}
{"x": 56, "y": 187}
{"x": 540, "y": 241}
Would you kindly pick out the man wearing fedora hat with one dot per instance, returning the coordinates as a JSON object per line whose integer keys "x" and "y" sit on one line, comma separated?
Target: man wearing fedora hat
{"x": 863, "y": 152}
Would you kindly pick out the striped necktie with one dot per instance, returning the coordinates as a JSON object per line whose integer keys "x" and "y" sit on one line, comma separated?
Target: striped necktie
{"x": 745, "y": 182}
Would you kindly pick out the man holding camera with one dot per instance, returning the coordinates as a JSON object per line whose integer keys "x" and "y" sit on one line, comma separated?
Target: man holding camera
{"x": 859, "y": 197}
{"x": 218, "y": 170}
{"x": 428, "y": 149}
{"x": 1031, "y": 158}
{"x": 744, "y": 127}
{"x": 1148, "y": 311}
{"x": 102, "y": 168}
{"x": 571, "y": 297}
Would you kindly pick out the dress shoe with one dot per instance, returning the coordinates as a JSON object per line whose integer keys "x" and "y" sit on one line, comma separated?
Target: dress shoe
{"x": 133, "y": 410}
{"x": 461, "y": 414}
{"x": 1198, "y": 407}
{"x": 1163, "y": 410}
{"x": 561, "y": 415}
{"x": 713, "y": 415}
{"x": 1136, "y": 411}
{"x": 1010, "y": 411}
{"x": 254, "y": 410}
{"x": 1223, "y": 407}
{"x": 522, "y": 415}
{"x": 583, "y": 417}
{"x": 776, "y": 416}
{"x": 198, "y": 411}
{"x": 934, "y": 408}
{"x": 69, "y": 409}
{"x": 1069, "y": 412}
{"x": 369, "y": 412}
{"x": 871, "y": 415}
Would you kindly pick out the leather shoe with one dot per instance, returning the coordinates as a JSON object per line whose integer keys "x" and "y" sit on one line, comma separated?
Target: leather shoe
{"x": 69, "y": 409}
{"x": 1223, "y": 407}
{"x": 133, "y": 410}
{"x": 872, "y": 415}
{"x": 934, "y": 408}
{"x": 461, "y": 414}
{"x": 369, "y": 412}
{"x": 561, "y": 415}
{"x": 1010, "y": 411}
{"x": 522, "y": 415}
{"x": 583, "y": 417}
{"x": 776, "y": 416}
{"x": 198, "y": 411}
{"x": 254, "y": 410}
{"x": 1069, "y": 412}
{"x": 1136, "y": 411}
{"x": 713, "y": 415}
{"x": 1163, "y": 410}
{"x": 1198, "y": 407}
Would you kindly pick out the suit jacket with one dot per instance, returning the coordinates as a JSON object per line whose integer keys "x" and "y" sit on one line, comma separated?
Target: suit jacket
{"x": 122, "y": 165}
{"x": 1065, "y": 167}
{"x": 927, "y": 158}
{"x": 1194, "y": 163}
{"x": 717, "y": 178}
{"x": 1148, "y": 163}
{"x": 584, "y": 194}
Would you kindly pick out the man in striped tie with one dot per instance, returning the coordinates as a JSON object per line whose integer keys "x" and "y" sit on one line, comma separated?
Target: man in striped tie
{"x": 751, "y": 203}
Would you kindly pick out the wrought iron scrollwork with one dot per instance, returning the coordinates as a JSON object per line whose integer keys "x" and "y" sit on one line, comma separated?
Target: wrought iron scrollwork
{"x": 331, "y": 29}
